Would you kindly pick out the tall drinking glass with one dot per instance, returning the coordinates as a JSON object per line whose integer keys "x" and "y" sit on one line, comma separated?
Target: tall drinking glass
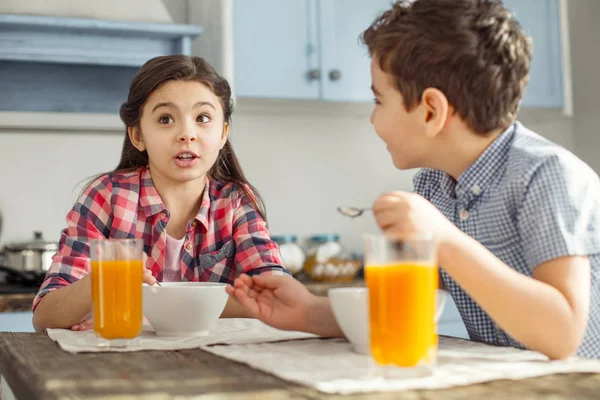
{"x": 117, "y": 275}
{"x": 402, "y": 278}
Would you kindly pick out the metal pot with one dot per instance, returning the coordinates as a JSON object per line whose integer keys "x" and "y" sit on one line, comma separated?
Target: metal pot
{"x": 34, "y": 256}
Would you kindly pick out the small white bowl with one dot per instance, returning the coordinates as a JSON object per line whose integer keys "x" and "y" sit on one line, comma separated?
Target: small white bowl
{"x": 351, "y": 310}
{"x": 184, "y": 308}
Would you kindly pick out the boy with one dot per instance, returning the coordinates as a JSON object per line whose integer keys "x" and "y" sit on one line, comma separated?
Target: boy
{"x": 515, "y": 215}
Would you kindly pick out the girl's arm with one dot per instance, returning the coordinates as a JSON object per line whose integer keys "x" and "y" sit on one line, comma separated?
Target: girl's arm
{"x": 65, "y": 298}
{"x": 255, "y": 252}
{"x": 65, "y": 307}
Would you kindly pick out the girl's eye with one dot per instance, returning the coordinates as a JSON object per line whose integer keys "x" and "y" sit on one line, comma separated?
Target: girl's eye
{"x": 376, "y": 101}
{"x": 165, "y": 119}
{"x": 203, "y": 118}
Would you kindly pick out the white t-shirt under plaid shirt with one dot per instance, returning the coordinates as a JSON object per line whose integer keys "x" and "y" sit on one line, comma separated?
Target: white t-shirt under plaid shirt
{"x": 528, "y": 201}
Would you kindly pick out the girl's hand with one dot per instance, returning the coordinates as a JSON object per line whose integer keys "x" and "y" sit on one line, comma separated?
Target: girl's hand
{"x": 148, "y": 278}
{"x": 84, "y": 325}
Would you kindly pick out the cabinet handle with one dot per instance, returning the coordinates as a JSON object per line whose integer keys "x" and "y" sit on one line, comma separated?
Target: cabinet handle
{"x": 314, "y": 75}
{"x": 335, "y": 74}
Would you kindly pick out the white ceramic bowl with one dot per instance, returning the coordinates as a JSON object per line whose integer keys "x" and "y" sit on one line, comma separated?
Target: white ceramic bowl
{"x": 351, "y": 310}
{"x": 184, "y": 308}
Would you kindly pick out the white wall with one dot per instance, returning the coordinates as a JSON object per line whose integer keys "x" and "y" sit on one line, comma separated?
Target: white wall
{"x": 585, "y": 50}
{"x": 305, "y": 158}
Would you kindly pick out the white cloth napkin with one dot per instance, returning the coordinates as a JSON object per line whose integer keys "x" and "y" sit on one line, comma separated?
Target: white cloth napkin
{"x": 225, "y": 331}
{"x": 330, "y": 366}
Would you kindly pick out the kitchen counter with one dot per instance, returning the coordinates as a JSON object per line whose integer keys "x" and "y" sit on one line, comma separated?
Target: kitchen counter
{"x": 15, "y": 302}
{"x": 34, "y": 367}
{"x": 321, "y": 288}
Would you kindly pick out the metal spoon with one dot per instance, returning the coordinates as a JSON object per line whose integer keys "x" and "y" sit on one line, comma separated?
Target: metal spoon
{"x": 352, "y": 212}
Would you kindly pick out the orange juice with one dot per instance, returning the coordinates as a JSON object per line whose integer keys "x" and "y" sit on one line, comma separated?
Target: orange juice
{"x": 402, "y": 310}
{"x": 117, "y": 298}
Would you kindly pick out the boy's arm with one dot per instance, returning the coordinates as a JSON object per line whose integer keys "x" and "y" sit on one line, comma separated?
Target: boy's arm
{"x": 557, "y": 221}
{"x": 547, "y": 313}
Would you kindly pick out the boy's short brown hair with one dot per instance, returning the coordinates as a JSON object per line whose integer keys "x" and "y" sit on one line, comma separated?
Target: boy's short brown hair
{"x": 474, "y": 51}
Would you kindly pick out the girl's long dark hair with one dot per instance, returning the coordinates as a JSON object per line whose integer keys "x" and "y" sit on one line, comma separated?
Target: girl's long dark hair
{"x": 182, "y": 68}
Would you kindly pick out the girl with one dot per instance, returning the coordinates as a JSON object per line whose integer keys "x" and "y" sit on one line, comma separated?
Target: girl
{"x": 178, "y": 186}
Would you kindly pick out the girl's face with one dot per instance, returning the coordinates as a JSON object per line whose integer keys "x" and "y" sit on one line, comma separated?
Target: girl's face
{"x": 183, "y": 129}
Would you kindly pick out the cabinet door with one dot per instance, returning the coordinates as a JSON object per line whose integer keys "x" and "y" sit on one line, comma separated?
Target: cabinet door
{"x": 275, "y": 49}
{"x": 540, "y": 18}
{"x": 16, "y": 322}
{"x": 454, "y": 329}
{"x": 345, "y": 62}
{"x": 451, "y": 323}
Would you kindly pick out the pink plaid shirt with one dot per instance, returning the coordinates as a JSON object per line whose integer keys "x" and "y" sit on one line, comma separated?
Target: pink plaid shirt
{"x": 226, "y": 238}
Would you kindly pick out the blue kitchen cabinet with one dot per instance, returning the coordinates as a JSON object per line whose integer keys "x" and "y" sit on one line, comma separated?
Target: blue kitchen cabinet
{"x": 275, "y": 54}
{"x": 450, "y": 323}
{"x": 541, "y": 20}
{"x": 345, "y": 62}
{"x": 454, "y": 329}
{"x": 303, "y": 49}
{"x": 309, "y": 49}
{"x": 16, "y": 322}
{"x": 57, "y": 64}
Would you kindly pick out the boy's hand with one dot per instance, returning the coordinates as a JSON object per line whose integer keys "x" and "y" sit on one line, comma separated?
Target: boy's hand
{"x": 402, "y": 213}
{"x": 279, "y": 301}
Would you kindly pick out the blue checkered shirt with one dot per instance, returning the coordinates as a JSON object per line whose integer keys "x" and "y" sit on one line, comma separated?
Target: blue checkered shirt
{"x": 528, "y": 201}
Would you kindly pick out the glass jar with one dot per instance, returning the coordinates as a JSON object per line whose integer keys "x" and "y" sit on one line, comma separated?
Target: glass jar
{"x": 292, "y": 255}
{"x": 328, "y": 261}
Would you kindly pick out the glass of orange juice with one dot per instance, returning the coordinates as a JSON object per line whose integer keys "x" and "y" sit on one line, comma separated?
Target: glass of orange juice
{"x": 402, "y": 280}
{"x": 117, "y": 275}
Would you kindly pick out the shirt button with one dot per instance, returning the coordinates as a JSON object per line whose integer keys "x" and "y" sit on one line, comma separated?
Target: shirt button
{"x": 476, "y": 190}
{"x": 193, "y": 224}
{"x": 464, "y": 214}
{"x": 188, "y": 246}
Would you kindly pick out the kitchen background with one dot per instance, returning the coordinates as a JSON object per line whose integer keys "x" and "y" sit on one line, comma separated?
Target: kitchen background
{"x": 305, "y": 156}
{"x": 301, "y": 126}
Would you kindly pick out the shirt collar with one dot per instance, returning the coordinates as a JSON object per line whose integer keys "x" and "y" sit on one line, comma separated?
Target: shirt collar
{"x": 478, "y": 176}
{"x": 152, "y": 203}
{"x": 149, "y": 198}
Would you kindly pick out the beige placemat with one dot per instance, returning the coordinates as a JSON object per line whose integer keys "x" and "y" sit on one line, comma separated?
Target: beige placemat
{"x": 331, "y": 367}
{"x": 225, "y": 331}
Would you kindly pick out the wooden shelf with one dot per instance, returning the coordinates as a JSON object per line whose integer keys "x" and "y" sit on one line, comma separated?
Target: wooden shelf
{"x": 73, "y": 65}
{"x": 87, "y": 41}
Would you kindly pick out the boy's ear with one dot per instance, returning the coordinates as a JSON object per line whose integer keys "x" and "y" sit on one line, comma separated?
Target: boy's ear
{"x": 436, "y": 110}
{"x": 136, "y": 138}
{"x": 225, "y": 134}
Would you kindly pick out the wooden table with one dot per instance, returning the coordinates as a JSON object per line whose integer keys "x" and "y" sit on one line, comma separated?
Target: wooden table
{"x": 36, "y": 368}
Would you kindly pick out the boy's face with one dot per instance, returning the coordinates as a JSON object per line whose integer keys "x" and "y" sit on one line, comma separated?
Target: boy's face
{"x": 403, "y": 132}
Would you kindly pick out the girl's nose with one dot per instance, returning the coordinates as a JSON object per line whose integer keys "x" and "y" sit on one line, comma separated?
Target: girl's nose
{"x": 187, "y": 135}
